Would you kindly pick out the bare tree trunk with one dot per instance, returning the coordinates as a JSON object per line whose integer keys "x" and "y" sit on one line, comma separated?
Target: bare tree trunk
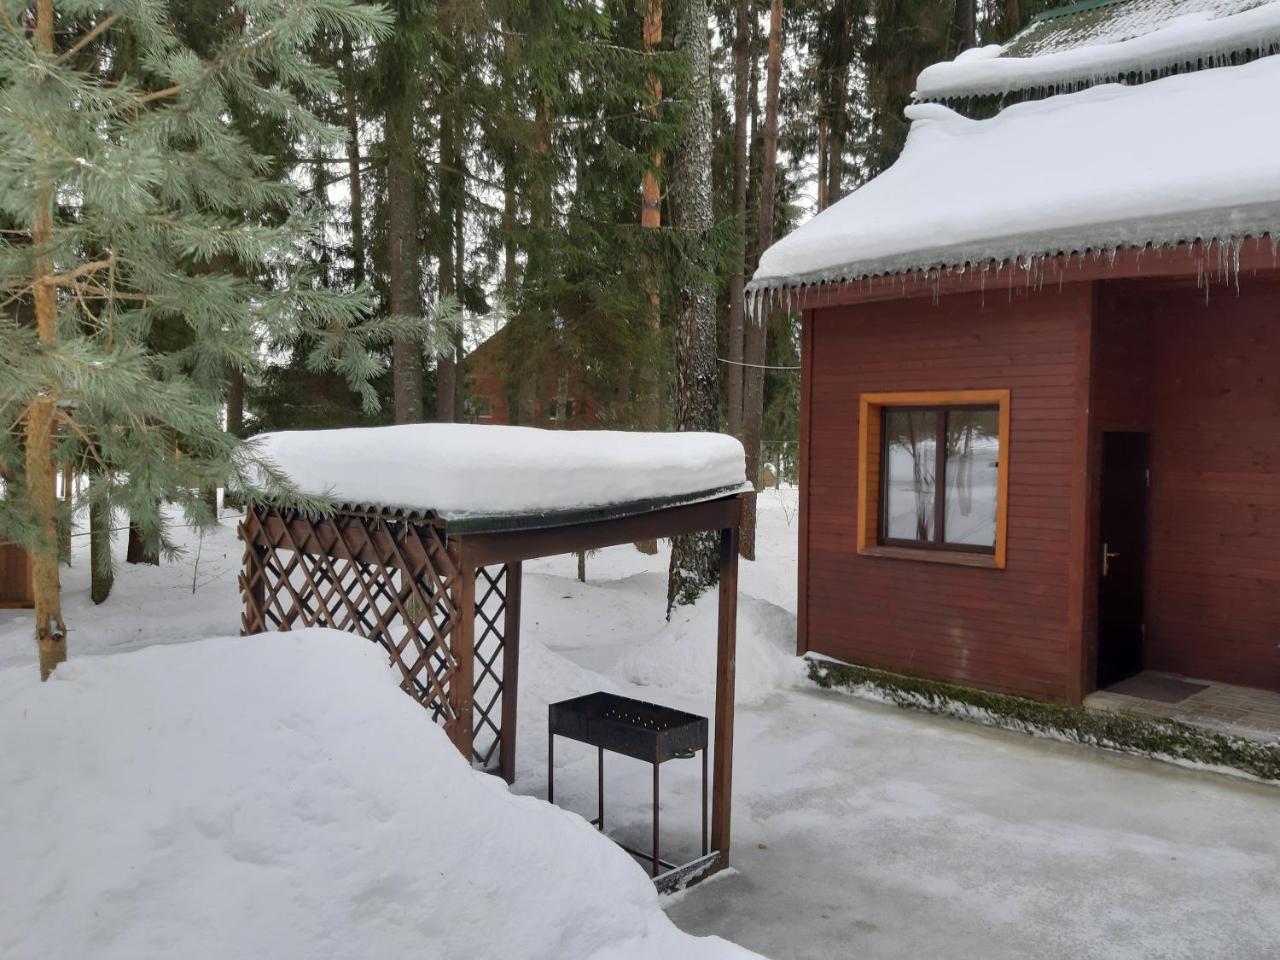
{"x": 139, "y": 550}
{"x": 235, "y": 402}
{"x": 755, "y": 348}
{"x": 459, "y": 263}
{"x": 695, "y": 559}
{"x": 101, "y": 576}
{"x": 737, "y": 279}
{"x": 353, "y": 168}
{"x": 966, "y": 24}
{"x": 822, "y": 163}
{"x": 404, "y": 266}
{"x": 839, "y": 97}
{"x": 446, "y": 368}
{"x": 508, "y": 235}
{"x": 651, "y": 213}
{"x": 51, "y": 631}
{"x": 1012, "y": 18}
{"x": 651, "y": 219}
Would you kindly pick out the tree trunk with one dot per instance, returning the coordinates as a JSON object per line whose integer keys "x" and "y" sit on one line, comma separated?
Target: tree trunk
{"x": 695, "y": 559}
{"x": 737, "y": 279}
{"x": 446, "y": 358}
{"x": 459, "y": 263}
{"x": 839, "y": 98}
{"x": 966, "y": 24}
{"x": 755, "y": 347}
{"x": 353, "y": 168}
{"x": 51, "y": 631}
{"x": 101, "y": 576}
{"x": 1012, "y": 18}
{"x": 404, "y": 268}
{"x": 650, "y": 407}
{"x": 235, "y": 402}
{"x": 822, "y": 164}
{"x": 139, "y": 550}
{"x": 509, "y": 279}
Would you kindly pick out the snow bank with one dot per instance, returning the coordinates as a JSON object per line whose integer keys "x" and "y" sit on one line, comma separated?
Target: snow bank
{"x": 278, "y": 795}
{"x": 460, "y": 470}
{"x": 1200, "y": 36}
{"x": 680, "y": 657}
{"x": 1190, "y": 156}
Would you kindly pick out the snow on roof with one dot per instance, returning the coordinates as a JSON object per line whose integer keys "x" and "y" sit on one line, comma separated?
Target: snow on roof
{"x": 1187, "y": 36}
{"x": 286, "y": 799}
{"x": 459, "y": 470}
{"x": 1183, "y": 158}
{"x": 1108, "y": 21}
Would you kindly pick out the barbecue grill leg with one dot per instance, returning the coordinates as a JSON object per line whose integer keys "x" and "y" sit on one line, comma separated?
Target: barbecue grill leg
{"x": 655, "y": 818}
{"x": 600, "y": 790}
{"x": 551, "y": 768}
{"x": 704, "y": 801}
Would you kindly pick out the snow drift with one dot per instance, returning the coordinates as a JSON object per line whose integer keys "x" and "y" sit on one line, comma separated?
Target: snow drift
{"x": 278, "y": 795}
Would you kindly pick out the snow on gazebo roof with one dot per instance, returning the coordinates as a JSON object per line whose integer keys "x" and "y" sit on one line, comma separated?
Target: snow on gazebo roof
{"x": 1090, "y": 43}
{"x": 1185, "y": 158}
{"x": 461, "y": 472}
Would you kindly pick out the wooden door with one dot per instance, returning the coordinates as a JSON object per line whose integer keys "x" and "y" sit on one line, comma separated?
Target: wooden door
{"x": 1122, "y": 559}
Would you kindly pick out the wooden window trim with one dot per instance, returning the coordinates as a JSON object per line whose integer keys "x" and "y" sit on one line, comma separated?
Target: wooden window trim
{"x": 869, "y": 472}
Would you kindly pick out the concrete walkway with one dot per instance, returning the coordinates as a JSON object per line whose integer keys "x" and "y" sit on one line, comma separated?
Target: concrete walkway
{"x": 1217, "y": 707}
{"x": 865, "y": 831}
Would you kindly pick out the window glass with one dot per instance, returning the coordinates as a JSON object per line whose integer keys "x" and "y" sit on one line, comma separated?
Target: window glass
{"x": 911, "y": 451}
{"x": 972, "y": 462}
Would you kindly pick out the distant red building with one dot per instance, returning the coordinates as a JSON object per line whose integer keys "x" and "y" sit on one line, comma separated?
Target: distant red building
{"x": 558, "y": 397}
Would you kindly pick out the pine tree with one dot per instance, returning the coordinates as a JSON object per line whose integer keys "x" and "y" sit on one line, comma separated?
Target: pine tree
{"x": 695, "y": 559}
{"x": 756, "y": 340}
{"x": 137, "y": 212}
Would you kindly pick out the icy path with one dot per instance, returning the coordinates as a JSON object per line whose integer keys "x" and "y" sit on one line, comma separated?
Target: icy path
{"x": 888, "y": 834}
{"x": 865, "y": 831}
{"x": 884, "y": 833}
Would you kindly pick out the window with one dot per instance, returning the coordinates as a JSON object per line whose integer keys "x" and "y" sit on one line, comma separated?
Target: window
{"x": 933, "y": 476}
{"x": 478, "y": 407}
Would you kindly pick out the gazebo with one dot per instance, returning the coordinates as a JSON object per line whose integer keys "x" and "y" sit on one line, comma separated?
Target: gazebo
{"x": 424, "y": 548}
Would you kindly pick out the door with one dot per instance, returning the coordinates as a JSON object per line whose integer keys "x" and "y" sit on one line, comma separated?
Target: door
{"x": 1122, "y": 556}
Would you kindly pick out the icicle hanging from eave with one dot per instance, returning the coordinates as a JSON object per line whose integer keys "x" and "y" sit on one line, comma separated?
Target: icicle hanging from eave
{"x": 982, "y": 102}
{"x": 1217, "y": 258}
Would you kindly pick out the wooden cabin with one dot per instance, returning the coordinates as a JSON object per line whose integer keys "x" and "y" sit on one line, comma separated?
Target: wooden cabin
{"x": 557, "y": 399}
{"x": 1040, "y": 406}
{"x": 15, "y": 577}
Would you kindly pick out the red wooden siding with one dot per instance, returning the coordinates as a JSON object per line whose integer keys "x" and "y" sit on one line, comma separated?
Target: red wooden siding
{"x": 1014, "y": 630}
{"x": 15, "y": 576}
{"x": 1213, "y": 592}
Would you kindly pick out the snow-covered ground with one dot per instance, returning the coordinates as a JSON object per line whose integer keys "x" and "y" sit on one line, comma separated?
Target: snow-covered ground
{"x": 858, "y": 830}
{"x": 279, "y": 797}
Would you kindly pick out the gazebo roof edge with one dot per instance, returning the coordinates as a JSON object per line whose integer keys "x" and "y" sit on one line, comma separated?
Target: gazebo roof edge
{"x": 460, "y": 524}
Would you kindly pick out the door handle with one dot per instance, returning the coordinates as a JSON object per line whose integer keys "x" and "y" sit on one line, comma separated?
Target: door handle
{"x": 1107, "y": 556}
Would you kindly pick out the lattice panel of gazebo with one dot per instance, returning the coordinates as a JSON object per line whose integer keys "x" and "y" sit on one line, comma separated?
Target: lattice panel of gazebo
{"x": 491, "y": 608}
{"x": 389, "y": 581}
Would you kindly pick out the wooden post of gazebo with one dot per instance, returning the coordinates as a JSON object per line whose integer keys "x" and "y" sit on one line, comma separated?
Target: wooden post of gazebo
{"x": 726, "y": 669}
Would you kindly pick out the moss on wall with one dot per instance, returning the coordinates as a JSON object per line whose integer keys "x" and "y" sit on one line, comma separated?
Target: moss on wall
{"x": 1162, "y": 739}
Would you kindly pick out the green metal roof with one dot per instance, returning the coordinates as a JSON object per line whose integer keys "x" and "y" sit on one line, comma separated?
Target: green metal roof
{"x": 1107, "y": 21}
